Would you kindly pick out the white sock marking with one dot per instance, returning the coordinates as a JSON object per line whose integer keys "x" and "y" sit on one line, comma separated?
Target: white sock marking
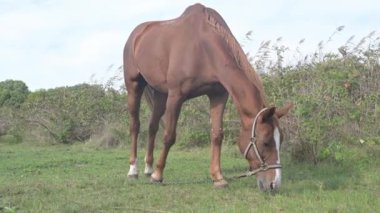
{"x": 148, "y": 169}
{"x": 133, "y": 169}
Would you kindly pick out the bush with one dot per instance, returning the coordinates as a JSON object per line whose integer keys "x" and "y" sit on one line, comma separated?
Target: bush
{"x": 70, "y": 114}
{"x": 194, "y": 123}
{"x": 336, "y": 98}
{"x": 13, "y": 93}
{"x": 10, "y": 139}
{"x": 112, "y": 135}
{"x": 12, "y": 96}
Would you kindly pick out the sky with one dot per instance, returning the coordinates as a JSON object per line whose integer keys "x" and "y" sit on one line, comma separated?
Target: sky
{"x": 53, "y": 43}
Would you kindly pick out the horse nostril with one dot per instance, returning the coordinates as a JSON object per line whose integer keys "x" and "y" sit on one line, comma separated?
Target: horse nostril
{"x": 271, "y": 186}
{"x": 261, "y": 185}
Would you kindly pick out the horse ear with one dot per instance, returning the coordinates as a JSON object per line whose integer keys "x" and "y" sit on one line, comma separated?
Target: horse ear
{"x": 267, "y": 114}
{"x": 284, "y": 110}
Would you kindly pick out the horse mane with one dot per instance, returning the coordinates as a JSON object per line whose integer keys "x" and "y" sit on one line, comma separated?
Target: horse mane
{"x": 221, "y": 27}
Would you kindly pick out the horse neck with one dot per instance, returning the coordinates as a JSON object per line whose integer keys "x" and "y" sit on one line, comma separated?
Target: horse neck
{"x": 248, "y": 101}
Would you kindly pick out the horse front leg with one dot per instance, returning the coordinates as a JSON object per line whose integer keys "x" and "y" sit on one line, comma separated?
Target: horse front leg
{"x": 217, "y": 106}
{"x": 170, "y": 118}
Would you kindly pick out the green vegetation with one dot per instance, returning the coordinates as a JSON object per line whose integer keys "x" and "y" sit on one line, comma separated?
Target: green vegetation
{"x": 79, "y": 178}
{"x": 65, "y": 149}
{"x": 336, "y": 97}
{"x": 13, "y": 93}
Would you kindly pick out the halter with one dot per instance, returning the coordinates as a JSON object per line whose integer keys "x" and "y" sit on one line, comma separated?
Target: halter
{"x": 252, "y": 143}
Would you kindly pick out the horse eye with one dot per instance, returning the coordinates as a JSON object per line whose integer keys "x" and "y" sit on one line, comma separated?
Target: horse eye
{"x": 267, "y": 143}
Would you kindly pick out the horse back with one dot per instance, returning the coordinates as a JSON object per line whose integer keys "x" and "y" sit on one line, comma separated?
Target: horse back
{"x": 175, "y": 52}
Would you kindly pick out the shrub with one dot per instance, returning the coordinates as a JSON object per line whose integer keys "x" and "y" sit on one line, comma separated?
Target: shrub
{"x": 13, "y": 93}
{"x": 336, "y": 98}
{"x": 69, "y": 114}
{"x": 194, "y": 123}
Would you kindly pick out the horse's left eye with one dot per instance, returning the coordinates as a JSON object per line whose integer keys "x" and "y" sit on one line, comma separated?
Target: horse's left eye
{"x": 267, "y": 143}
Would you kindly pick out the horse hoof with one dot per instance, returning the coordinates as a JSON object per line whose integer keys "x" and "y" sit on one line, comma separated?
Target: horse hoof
{"x": 156, "y": 181}
{"x": 148, "y": 174}
{"x": 220, "y": 184}
{"x": 133, "y": 177}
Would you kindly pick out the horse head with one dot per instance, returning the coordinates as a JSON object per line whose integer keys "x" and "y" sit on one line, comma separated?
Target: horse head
{"x": 263, "y": 149}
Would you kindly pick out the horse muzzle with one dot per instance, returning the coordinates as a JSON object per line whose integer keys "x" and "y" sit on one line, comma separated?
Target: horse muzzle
{"x": 266, "y": 183}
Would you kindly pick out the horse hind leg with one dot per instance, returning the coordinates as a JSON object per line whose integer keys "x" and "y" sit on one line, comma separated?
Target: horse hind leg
{"x": 158, "y": 101}
{"x": 135, "y": 89}
{"x": 170, "y": 117}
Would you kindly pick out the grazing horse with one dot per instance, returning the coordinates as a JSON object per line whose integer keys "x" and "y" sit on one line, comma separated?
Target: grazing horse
{"x": 193, "y": 55}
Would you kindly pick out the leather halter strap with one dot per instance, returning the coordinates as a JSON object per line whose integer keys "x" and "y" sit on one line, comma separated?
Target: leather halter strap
{"x": 253, "y": 137}
{"x": 252, "y": 144}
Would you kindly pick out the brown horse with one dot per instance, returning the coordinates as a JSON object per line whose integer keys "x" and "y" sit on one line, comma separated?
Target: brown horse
{"x": 193, "y": 55}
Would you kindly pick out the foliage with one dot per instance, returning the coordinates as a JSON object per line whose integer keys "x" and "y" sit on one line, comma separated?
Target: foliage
{"x": 336, "y": 97}
{"x": 194, "y": 123}
{"x": 194, "y": 114}
{"x": 12, "y": 96}
{"x": 13, "y": 93}
{"x": 69, "y": 114}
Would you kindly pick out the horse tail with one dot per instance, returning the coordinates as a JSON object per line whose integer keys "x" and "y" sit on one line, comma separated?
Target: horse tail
{"x": 149, "y": 95}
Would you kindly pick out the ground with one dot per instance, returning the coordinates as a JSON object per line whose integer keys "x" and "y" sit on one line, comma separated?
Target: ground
{"x": 78, "y": 178}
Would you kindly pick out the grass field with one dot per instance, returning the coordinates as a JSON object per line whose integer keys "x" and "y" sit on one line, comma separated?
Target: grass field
{"x": 78, "y": 178}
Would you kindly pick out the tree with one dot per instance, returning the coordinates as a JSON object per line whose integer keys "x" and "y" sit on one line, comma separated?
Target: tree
{"x": 13, "y": 93}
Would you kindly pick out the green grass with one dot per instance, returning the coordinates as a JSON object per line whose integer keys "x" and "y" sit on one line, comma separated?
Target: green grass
{"x": 83, "y": 179}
